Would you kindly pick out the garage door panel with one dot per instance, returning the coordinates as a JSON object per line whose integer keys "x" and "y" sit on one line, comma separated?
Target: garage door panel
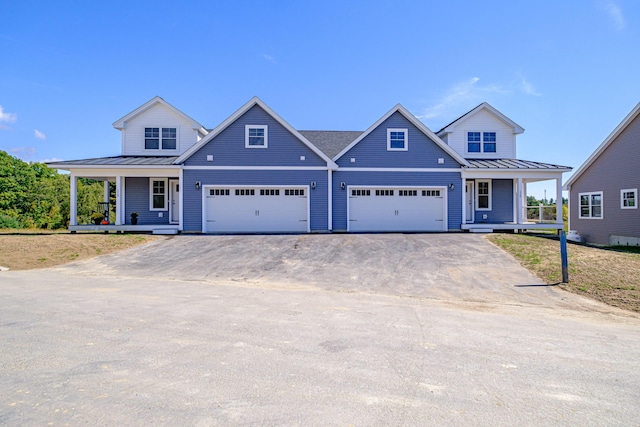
{"x": 397, "y": 209}
{"x": 255, "y": 210}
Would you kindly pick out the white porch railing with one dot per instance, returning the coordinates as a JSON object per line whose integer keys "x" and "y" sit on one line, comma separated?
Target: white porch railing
{"x": 541, "y": 213}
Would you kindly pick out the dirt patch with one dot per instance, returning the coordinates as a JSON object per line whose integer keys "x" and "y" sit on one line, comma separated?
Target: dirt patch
{"x": 606, "y": 275}
{"x": 27, "y": 250}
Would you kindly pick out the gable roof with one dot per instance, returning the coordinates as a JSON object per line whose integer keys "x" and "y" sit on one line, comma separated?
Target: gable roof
{"x": 121, "y": 123}
{"x": 606, "y": 143}
{"x": 331, "y": 142}
{"x": 484, "y": 106}
{"x": 235, "y": 116}
{"x": 417, "y": 123}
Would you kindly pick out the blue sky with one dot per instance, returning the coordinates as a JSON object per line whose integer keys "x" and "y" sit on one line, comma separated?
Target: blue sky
{"x": 568, "y": 72}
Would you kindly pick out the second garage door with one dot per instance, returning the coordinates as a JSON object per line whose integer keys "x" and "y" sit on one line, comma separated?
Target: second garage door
{"x": 256, "y": 209}
{"x": 397, "y": 209}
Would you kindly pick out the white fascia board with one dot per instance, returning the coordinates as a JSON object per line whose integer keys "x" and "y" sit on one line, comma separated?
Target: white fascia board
{"x": 121, "y": 123}
{"x": 612, "y": 136}
{"x": 517, "y": 129}
{"x": 259, "y": 168}
{"x": 417, "y": 123}
{"x": 138, "y": 172}
{"x": 71, "y": 167}
{"x": 235, "y": 116}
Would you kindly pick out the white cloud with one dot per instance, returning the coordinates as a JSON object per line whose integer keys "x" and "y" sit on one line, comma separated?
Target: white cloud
{"x": 23, "y": 152}
{"x": 268, "y": 57}
{"x": 461, "y": 96}
{"x": 51, "y": 160}
{"x": 615, "y": 13}
{"x": 528, "y": 88}
{"x": 7, "y": 117}
{"x": 39, "y": 134}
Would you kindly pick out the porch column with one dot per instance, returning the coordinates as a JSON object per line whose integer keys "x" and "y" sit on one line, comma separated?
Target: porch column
{"x": 106, "y": 191}
{"x": 119, "y": 201}
{"x": 73, "y": 200}
{"x": 464, "y": 200}
{"x": 559, "y": 200}
{"x": 519, "y": 201}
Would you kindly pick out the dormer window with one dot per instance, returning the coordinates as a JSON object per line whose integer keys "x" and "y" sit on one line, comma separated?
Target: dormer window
{"x": 397, "y": 139}
{"x": 481, "y": 142}
{"x": 160, "y": 138}
{"x": 256, "y": 136}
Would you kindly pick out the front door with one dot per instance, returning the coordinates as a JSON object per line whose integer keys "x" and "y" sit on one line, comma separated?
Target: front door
{"x": 174, "y": 201}
{"x": 469, "y": 205}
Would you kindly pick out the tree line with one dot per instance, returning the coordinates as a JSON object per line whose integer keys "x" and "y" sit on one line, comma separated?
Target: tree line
{"x": 33, "y": 195}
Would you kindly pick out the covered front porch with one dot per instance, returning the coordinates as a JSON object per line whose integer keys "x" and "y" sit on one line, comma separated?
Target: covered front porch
{"x": 147, "y": 194}
{"x": 495, "y": 196}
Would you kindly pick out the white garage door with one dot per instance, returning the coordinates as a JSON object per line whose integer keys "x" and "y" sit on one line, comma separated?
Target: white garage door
{"x": 256, "y": 209}
{"x": 397, "y": 209}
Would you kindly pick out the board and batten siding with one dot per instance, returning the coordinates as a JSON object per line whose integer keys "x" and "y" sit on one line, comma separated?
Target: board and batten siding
{"x": 157, "y": 116}
{"x": 616, "y": 168}
{"x": 501, "y": 202}
{"x": 483, "y": 121}
{"x": 400, "y": 179}
{"x": 372, "y": 150}
{"x": 137, "y": 200}
{"x": 192, "y": 198}
{"x": 228, "y": 147}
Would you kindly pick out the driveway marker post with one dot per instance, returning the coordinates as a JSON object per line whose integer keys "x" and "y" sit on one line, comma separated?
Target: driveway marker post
{"x": 564, "y": 256}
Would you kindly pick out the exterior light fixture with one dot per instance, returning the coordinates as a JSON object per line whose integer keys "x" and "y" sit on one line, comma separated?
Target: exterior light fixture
{"x": 342, "y": 185}
{"x": 313, "y": 184}
{"x": 451, "y": 186}
{"x": 197, "y": 185}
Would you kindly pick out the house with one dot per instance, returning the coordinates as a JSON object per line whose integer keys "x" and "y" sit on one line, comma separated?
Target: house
{"x": 255, "y": 173}
{"x": 603, "y": 191}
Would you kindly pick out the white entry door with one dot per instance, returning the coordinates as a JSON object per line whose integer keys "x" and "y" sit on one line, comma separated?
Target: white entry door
{"x": 397, "y": 209}
{"x": 282, "y": 209}
{"x": 174, "y": 200}
{"x": 469, "y": 202}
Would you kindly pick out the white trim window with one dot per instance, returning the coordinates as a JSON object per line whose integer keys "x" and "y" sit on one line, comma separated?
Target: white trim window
{"x": 590, "y": 205}
{"x": 160, "y": 138}
{"x": 256, "y": 136}
{"x": 481, "y": 142}
{"x": 483, "y": 194}
{"x": 629, "y": 198}
{"x": 397, "y": 139}
{"x": 158, "y": 194}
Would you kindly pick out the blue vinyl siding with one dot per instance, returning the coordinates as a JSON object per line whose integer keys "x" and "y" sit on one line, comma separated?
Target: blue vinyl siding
{"x": 501, "y": 202}
{"x": 228, "y": 148}
{"x": 422, "y": 179}
{"x": 192, "y": 198}
{"x": 372, "y": 150}
{"x": 137, "y": 200}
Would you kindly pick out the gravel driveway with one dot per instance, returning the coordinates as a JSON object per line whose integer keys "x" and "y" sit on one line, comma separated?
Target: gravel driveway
{"x": 416, "y": 329}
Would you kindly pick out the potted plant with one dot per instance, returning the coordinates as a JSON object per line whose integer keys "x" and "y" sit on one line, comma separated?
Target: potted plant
{"x": 134, "y": 218}
{"x": 97, "y": 218}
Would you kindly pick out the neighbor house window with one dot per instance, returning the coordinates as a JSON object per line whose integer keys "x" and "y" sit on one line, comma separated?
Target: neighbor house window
{"x": 591, "y": 205}
{"x": 481, "y": 142}
{"x": 397, "y": 139}
{"x": 160, "y": 138}
{"x": 629, "y": 198}
{"x": 158, "y": 194}
{"x": 256, "y": 136}
{"x": 483, "y": 195}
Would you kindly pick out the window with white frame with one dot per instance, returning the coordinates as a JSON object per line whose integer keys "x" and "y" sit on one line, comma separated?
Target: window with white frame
{"x": 158, "y": 194}
{"x": 483, "y": 195}
{"x": 481, "y": 142}
{"x": 591, "y": 205}
{"x": 160, "y": 138}
{"x": 629, "y": 198}
{"x": 256, "y": 136}
{"x": 397, "y": 139}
